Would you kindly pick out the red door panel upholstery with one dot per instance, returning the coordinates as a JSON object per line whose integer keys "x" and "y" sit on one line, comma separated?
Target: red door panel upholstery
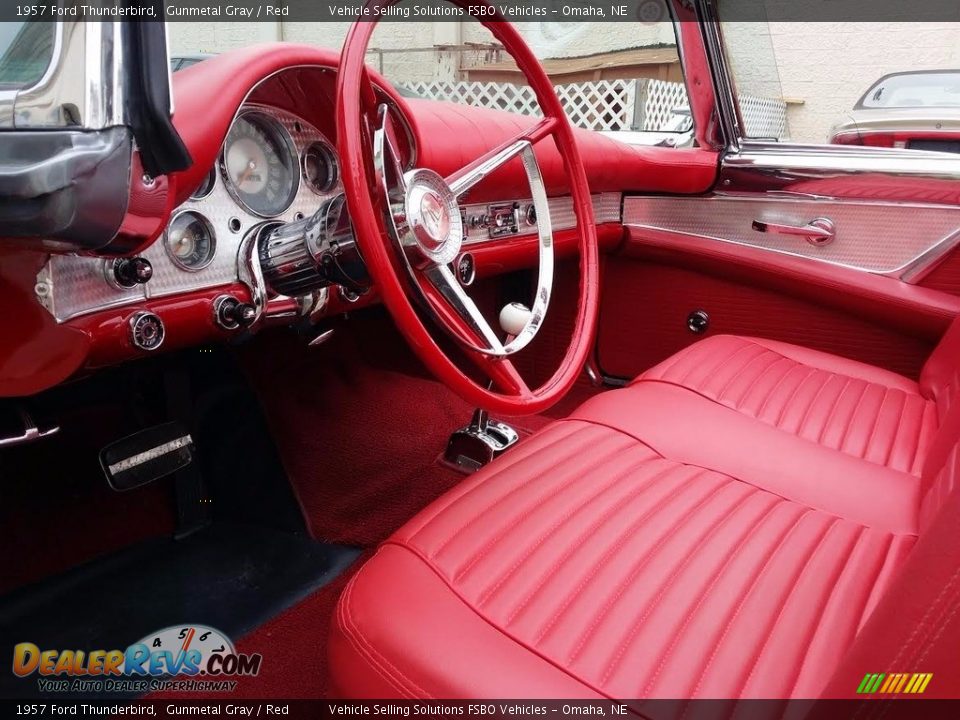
{"x": 670, "y": 540}
{"x": 945, "y": 276}
{"x": 657, "y": 279}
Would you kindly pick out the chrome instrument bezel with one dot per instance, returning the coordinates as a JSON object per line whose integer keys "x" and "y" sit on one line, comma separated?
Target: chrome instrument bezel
{"x": 331, "y": 161}
{"x": 212, "y": 176}
{"x": 213, "y": 240}
{"x": 292, "y": 156}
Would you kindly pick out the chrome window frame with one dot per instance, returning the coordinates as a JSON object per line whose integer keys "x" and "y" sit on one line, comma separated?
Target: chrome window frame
{"x": 92, "y": 50}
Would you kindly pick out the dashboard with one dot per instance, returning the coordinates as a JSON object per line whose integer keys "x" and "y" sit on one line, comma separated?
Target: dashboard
{"x": 273, "y": 166}
{"x": 265, "y": 160}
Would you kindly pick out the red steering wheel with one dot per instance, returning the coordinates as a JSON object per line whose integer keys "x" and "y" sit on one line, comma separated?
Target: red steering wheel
{"x": 409, "y": 229}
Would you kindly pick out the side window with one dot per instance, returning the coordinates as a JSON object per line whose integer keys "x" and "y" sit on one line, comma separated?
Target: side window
{"x": 891, "y": 84}
{"x": 623, "y": 79}
{"x": 25, "y": 52}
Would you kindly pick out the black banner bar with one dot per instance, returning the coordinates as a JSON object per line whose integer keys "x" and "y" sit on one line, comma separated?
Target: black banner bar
{"x": 646, "y": 11}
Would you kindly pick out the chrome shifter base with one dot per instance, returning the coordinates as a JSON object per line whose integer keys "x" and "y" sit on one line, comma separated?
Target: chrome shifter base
{"x": 472, "y": 447}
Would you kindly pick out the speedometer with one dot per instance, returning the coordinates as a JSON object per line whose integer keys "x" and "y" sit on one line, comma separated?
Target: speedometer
{"x": 260, "y": 168}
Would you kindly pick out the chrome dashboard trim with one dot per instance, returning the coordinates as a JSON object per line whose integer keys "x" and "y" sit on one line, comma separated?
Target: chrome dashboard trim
{"x": 294, "y": 153}
{"x": 606, "y": 209}
{"x": 77, "y": 286}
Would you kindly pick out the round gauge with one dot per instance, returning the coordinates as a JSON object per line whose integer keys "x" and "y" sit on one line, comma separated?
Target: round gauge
{"x": 190, "y": 241}
{"x": 319, "y": 168}
{"x": 259, "y": 165}
{"x": 206, "y": 187}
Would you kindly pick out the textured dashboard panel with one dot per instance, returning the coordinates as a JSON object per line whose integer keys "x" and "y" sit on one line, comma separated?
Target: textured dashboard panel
{"x": 878, "y": 237}
{"x": 79, "y": 285}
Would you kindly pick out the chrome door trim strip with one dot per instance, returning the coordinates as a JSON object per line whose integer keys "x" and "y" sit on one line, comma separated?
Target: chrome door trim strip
{"x": 911, "y": 270}
{"x": 785, "y": 163}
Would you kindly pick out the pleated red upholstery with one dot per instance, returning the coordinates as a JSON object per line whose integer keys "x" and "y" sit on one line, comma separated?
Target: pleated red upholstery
{"x": 722, "y": 528}
{"x": 845, "y": 405}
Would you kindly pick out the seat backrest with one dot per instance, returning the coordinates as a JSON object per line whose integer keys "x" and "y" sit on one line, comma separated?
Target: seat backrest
{"x": 940, "y": 377}
{"x": 940, "y": 381}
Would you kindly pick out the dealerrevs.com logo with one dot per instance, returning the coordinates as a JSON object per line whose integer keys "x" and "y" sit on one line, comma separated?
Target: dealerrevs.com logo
{"x": 181, "y": 658}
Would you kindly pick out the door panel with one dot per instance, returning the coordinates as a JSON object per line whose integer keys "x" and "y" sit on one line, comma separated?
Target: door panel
{"x": 879, "y": 237}
{"x": 658, "y": 278}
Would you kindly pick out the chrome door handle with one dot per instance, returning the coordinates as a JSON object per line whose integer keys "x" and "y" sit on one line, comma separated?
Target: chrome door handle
{"x": 820, "y": 231}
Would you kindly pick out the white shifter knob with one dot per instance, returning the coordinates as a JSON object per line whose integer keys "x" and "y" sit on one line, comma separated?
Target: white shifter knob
{"x": 514, "y": 318}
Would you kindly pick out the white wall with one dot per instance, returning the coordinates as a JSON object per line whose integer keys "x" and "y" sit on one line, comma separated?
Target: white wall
{"x": 830, "y": 65}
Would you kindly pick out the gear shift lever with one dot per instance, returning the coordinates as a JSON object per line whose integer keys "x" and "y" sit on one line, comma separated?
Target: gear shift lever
{"x": 472, "y": 447}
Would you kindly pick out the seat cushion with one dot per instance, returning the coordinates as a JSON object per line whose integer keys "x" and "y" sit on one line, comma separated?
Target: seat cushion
{"x": 585, "y": 562}
{"x": 842, "y": 404}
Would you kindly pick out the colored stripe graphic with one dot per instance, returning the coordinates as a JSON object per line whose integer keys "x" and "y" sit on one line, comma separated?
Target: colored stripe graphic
{"x": 894, "y": 683}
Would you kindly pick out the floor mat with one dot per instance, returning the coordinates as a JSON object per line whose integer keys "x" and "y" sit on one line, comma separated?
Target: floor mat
{"x": 294, "y": 649}
{"x": 230, "y": 577}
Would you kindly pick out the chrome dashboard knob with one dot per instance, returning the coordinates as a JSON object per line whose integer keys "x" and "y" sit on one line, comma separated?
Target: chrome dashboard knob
{"x": 130, "y": 272}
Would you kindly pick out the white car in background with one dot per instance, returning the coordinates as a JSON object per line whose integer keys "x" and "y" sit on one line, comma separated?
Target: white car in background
{"x": 919, "y": 110}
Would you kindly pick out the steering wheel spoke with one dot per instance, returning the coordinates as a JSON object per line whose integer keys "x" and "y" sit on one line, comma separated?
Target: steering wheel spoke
{"x": 505, "y": 376}
{"x": 462, "y": 181}
{"x": 467, "y": 318}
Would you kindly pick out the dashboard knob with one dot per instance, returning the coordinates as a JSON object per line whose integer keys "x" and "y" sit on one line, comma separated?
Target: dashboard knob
{"x": 146, "y": 331}
{"x": 245, "y": 313}
{"x": 230, "y": 314}
{"x": 130, "y": 272}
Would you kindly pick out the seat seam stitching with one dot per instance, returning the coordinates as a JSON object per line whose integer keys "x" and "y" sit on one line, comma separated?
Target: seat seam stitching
{"x": 546, "y": 576}
{"x": 516, "y": 461}
{"x": 609, "y": 600}
{"x": 613, "y": 454}
{"x": 490, "y": 592}
{"x": 483, "y": 618}
{"x": 813, "y": 401}
{"x": 674, "y": 574}
{"x": 476, "y": 516}
{"x": 790, "y": 529}
{"x": 786, "y": 601}
{"x": 831, "y": 416}
{"x": 861, "y": 534}
{"x": 766, "y": 401}
{"x": 356, "y": 639}
{"x": 705, "y": 593}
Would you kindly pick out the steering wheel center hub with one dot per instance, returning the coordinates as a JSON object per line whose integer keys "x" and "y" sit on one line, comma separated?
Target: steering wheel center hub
{"x": 433, "y": 216}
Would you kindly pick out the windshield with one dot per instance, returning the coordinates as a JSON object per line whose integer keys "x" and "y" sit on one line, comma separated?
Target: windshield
{"x": 910, "y": 90}
{"x": 25, "y": 52}
{"x": 621, "y": 78}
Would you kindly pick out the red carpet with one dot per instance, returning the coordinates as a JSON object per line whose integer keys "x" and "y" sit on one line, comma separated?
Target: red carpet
{"x": 360, "y": 427}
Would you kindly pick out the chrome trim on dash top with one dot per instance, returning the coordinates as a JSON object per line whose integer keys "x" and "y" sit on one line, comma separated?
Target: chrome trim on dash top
{"x": 894, "y": 239}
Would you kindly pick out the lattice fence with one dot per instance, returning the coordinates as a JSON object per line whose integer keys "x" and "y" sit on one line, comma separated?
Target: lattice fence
{"x": 607, "y": 104}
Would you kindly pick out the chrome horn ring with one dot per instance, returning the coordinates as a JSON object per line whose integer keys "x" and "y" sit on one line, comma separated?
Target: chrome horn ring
{"x": 422, "y": 217}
